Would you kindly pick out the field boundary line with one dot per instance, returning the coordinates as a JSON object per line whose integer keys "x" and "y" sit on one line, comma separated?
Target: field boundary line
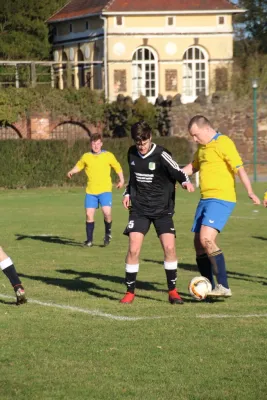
{"x": 95, "y": 313}
{"x": 207, "y": 316}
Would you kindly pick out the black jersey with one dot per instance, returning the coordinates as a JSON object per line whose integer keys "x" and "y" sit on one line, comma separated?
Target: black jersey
{"x": 152, "y": 181}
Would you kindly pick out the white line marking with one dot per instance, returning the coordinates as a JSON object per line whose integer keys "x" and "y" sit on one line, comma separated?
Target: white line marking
{"x": 96, "y": 313}
{"x": 232, "y": 316}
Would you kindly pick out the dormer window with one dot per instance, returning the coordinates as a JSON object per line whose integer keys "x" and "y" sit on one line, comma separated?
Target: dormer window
{"x": 221, "y": 20}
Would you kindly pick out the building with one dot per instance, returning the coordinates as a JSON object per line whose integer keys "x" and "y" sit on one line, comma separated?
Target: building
{"x": 150, "y": 47}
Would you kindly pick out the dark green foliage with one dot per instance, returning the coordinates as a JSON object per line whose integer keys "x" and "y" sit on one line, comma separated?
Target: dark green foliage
{"x": 31, "y": 163}
{"x": 24, "y": 33}
{"x": 83, "y": 104}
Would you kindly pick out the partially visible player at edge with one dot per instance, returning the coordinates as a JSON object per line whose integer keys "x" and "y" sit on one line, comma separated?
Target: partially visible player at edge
{"x": 150, "y": 197}
{"x": 217, "y": 161}
{"x": 97, "y": 164}
{"x": 9, "y": 270}
{"x": 265, "y": 199}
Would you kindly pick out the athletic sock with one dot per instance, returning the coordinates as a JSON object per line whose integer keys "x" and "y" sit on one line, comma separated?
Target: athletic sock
{"x": 9, "y": 270}
{"x": 171, "y": 273}
{"x": 219, "y": 268}
{"x": 107, "y": 228}
{"x": 205, "y": 267}
{"x": 131, "y": 271}
{"x": 89, "y": 231}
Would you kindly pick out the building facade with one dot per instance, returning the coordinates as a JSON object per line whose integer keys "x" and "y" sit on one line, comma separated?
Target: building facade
{"x": 148, "y": 48}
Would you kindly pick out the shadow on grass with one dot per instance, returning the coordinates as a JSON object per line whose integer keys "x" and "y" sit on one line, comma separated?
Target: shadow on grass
{"x": 50, "y": 239}
{"x": 259, "y": 237}
{"x": 78, "y": 283}
{"x": 9, "y": 303}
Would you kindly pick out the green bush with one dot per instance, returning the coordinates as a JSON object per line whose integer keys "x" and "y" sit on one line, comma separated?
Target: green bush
{"x": 31, "y": 163}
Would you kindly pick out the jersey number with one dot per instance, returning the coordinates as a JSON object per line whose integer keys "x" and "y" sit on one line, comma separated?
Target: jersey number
{"x": 131, "y": 224}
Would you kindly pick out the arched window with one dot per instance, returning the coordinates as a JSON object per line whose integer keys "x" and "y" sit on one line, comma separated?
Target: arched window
{"x": 81, "y": 76}
{"x": 145, "y": 74}
{"x": 195, "y": 73}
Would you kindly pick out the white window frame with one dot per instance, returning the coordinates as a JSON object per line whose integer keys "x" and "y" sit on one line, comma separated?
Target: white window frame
{"x": 192, "y": 83}
{"x": 166, "y": 21}
{"x": 143, "y": 75}
{"x": 218, "y": 20}
{"x": 122, "y": 21}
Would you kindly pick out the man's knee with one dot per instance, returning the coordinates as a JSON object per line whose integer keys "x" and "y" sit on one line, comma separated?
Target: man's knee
{"x": 207, "y": 243}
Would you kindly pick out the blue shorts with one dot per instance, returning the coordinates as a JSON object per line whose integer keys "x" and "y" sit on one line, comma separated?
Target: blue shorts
{"x": 93, "y": 200}
{"x": 212, "y": 212}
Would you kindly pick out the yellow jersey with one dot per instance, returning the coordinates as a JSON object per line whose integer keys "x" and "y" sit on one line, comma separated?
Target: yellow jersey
{"x": 97, "y": 168}
{"x": 265, "y": 196}
{"x": 217, "y": 163}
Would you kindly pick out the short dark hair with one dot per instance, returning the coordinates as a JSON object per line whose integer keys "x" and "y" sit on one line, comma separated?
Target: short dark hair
{"x": 200, "y": 121}
{"x": 95, "y": 137}
{"x": 141, "y": 131}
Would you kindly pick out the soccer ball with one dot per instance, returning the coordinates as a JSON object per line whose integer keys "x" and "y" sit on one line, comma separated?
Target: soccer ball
{"x": 199, "y": 287}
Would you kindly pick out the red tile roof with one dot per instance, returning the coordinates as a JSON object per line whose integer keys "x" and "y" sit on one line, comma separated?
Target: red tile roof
{"x": 79, "y": 8}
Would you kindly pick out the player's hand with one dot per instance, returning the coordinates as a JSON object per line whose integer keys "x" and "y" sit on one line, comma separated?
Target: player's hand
{"x": 69, "y": 174}
{"x": 126, "y": 202}
{"x": 120, "y": 184}
{"x": 254, "y": 198}
{"x": 188, "y": 186}
{"x": 265, "y": 203}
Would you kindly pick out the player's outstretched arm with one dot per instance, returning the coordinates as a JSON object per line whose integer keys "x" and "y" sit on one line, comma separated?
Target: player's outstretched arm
{"x": 265, "y": 199}
{"x": 176, "y": 172}
{"x": 121, "y": 180}
{"x": 246, "y": 182}
{"x": 73, "y": 171}
{"x": 189, "y": 169}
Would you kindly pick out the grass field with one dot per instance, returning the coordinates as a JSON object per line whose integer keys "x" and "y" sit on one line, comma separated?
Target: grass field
{"x": 74, "y": 340}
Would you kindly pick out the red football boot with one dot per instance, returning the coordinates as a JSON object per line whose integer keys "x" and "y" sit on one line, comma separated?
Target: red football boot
{"x": 174, "y": 297}
{"x": 128, "y": 298}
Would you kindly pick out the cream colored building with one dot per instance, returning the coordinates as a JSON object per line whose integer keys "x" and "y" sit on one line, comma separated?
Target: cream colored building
{"x": 147, "y": 47}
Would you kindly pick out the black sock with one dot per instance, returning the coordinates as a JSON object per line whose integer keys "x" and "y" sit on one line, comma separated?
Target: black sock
{"x": 205, "y": 267}
{"x": 89, "y": 231}
{"x": 171, "y": 275}
{"x": 219, "y": 268}
{"x": 12, "y": 275}
{"x": 107, "y": 227}
{"x": 130, "y": 280}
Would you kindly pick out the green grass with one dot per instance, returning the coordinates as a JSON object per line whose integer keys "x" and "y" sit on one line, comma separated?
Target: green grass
{"x": 54, "y": 353}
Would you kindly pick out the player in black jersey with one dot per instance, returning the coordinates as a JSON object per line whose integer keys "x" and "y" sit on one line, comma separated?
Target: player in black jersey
{"x": 150, "y": 196}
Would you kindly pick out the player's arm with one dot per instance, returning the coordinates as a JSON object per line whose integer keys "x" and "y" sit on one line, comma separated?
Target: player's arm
{"x": 265, "y": 199}
{"x": 127, "y": 192}
{"x": 232, "y": 158}
{"x": 176, "y": 172}
{"x": 243, "y": 176}
{"x": 118, "y": 169}
{"x": 192, "y": 167}
{"x": 77, "y": 168}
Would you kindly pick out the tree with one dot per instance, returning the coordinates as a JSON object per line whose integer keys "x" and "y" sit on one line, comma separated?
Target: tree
{"x": 24, "y": 33}
{"x": 252, "y": 26}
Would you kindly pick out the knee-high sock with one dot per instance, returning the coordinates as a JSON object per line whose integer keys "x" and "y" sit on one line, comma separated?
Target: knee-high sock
{"x": 90, "y": 226}
{"x": 171, "y": 273}
{"x": 205, "y": 267}
{"x": 131, "y": 271}
{"x": 219, "y": 267}
{"x": 9, "y": 270}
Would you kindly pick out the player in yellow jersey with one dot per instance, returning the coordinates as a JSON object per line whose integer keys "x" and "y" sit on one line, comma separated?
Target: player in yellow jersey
{"x": 265, "y": 199}
{"x": 97, "y": 165}
{"x": 217, "y": 161}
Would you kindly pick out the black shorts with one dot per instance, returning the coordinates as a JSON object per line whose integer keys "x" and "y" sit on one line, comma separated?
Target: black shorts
{"x": 142, "y": 224}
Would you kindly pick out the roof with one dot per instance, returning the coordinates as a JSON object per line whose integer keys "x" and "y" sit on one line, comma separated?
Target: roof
{"x": 82, "y": 8}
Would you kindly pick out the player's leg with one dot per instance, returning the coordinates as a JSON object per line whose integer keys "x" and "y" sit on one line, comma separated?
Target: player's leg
{"x": 136, "y": 230}
{"x": 216, "y": 215}
{"x": 202, "y": 259}
{"x": 166, "y": 232}
{"x": 105, "y": 200}
{"x": 90, "y": 205}
{"x": 9, "y": 270}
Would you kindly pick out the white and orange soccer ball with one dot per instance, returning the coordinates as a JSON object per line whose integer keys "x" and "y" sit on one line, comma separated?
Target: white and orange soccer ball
{"x": 199, "y": 287}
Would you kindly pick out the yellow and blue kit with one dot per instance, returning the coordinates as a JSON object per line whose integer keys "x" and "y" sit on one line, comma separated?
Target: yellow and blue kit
{"x": 217, "y": 162}
{"x": 265, "y": 196}
{"x": 97, "y": 167}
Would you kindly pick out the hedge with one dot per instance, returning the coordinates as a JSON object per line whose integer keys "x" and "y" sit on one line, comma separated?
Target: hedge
{"x": 30, "y": 163}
